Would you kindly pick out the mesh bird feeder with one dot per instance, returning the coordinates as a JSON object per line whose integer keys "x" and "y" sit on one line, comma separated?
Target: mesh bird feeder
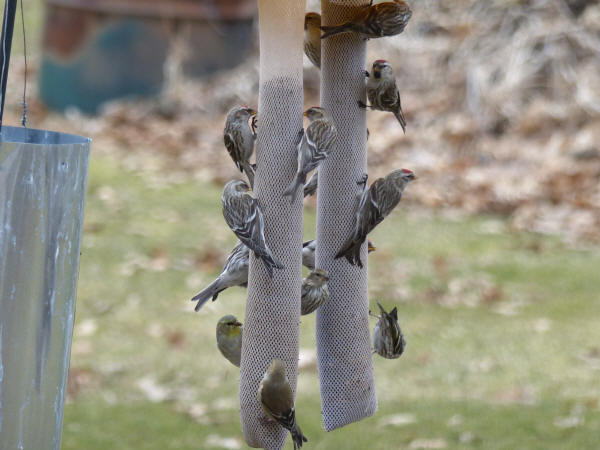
{"x": 343, "y": 341}
{"x": 272, "y": 323}
{"x": 271, "y": 328}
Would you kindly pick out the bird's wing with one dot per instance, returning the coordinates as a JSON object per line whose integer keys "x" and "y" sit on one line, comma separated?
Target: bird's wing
{"x": 230, "y": 138}
{"x": 319, "y": 139}
{"x": 370, "y": 209}
{"x": 389, "y": 97}
{"x": 246, "y": 220}
{"x": 237, "y": 258}
{"x": 306, "y": 285}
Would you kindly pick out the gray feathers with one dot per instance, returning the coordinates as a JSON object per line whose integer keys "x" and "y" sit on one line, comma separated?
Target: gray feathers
{"x": 308, "y": 254}
{"x": 382, "y": 91}
{"x": 243, "y": 215}
{"x": 314, "y": 291}
{"x": 314, "y": 147}
{"x": 388, "y": 340}
{"x": 239, "y": 139}
{"x": 375, "y": 204}
{"x": 234, "y": 273}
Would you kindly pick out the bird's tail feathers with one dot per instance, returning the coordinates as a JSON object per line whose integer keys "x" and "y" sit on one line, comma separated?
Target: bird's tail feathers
{"x": 400, "y": 116}
{"x": 249, "y": 171}
{"x": 347, "y": 251}
{"x": 335, "y": 29}
{"x": 292, "y": 189}
{"x": 212, "y": 290}
{"x": 351, "y": 251}
{"x": 270, "y": 262}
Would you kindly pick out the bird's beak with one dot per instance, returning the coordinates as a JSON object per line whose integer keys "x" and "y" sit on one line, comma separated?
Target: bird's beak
{"x": 414, "y": 178}
{"x": 237, "y": 324}
{"x": 371, "y": 247}
{"x": 251, "y": 111}
{"x": 326, "y": 277}
{"x": 305, "y": 113}
{"x": 376, "y": 71}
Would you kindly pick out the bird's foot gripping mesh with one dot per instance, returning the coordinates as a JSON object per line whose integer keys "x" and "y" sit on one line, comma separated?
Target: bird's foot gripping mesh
{"x": 343, "y": 338}
{"x": 271, "y": 326}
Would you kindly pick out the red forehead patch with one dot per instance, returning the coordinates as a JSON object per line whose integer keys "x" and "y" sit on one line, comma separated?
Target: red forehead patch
{"x": 380, "y": 61}
{"x": 406, "y": 171}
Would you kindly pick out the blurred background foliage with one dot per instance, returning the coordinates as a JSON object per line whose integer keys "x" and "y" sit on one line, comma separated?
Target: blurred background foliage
{"x": 491, "y": 258}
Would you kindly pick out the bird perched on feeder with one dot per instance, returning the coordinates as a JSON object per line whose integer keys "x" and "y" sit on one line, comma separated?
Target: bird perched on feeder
{"x": 312, "y": 38}
{"x": 374, "y": 21}
{"x": 314, "y": 146}
{"x": 308, "y": 252}
{"x": 239, "y": 138}
{"x": 383, "y": 92}
{"x": 388, "y": 340}
{"x": 234, "y": 273}
{"x": 311, "y": 185}
{"x": 243, "y": 215}
{"x": 375, "y": 204}
{"x": 277, "y": 401}
{"x": 314, "y": 291}
{"x": 229, "y": 339}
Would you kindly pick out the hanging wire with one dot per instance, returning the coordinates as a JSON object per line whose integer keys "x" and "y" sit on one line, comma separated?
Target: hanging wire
{"x": 24, "y": 102}
{"x": 10, "y": 7}
{"x": 4, "y": 25}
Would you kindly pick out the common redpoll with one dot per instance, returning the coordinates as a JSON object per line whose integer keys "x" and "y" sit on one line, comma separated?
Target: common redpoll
{"x": 243, "y": 215}
{"x": 383, "y": 92}
{"x": 239, "y": 138}
{"x": 374, "y": 21}
{"x": 375, "y": 204}
{"x": 277, "y": 401}
{"x": 314, "y": 146}
{"x": 308, "y": 254}
{"x": 312, "y": 38}
{"x": 388, "y": 340}
{"x": 229, "y": 339}
{"x": 234, "y": 273}
{"x": 311, "y": 185}
{"x": 314, "y": 291}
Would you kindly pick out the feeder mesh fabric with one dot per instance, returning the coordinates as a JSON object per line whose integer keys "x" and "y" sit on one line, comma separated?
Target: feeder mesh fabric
{"x": 343, "y": 337}
{"x": 271, "y": 326}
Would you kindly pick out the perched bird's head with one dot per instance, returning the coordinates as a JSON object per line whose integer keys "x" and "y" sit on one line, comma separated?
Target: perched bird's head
{"x": 276, "y": 369}
{"x": 312, "y": 20}
{"x": 229, "y": 326}
{"x": 314, "y": 113}
{"x": 382, "y": 68}
{"x": 401, "y": 177}
{"x": 319, "y": 276}
{"x": 371, "y": 247}
{"x": 236, "y": 186}
{"x": 241, "y": 113}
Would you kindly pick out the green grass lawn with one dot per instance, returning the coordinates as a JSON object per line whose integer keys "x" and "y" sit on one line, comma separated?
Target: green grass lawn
{"x": 503, "y": 330}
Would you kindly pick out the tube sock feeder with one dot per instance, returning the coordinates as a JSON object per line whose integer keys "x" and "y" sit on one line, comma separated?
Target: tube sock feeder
{"x": 343, "y": 339}
{"x": 271, "y": 326}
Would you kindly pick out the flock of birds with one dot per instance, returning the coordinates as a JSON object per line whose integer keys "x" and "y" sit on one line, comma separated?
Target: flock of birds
{"x": 243, "y": 214}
